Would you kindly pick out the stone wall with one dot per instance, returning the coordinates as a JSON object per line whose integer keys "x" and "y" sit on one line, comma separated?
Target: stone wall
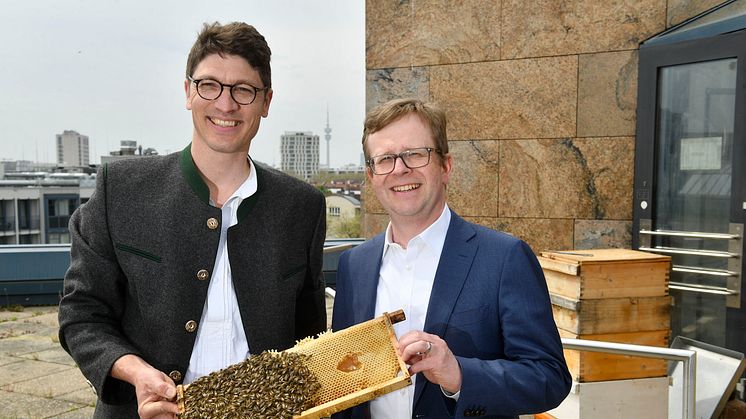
{"x": 541, "y": 99}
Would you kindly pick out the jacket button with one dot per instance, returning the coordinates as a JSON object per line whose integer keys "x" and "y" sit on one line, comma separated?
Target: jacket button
{"x": 202, "y": 274}
{"x": 175, "y": 375}
{"x": 190, "y": 326}
{"x": 212, "y": 223}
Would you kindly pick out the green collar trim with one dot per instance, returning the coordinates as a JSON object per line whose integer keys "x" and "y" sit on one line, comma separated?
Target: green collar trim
{"x": 248, "y": 204}
{"x": 198, "y": 185}
{"x": 193, "y": 178}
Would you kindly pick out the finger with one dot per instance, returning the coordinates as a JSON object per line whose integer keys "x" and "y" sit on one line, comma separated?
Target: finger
{"x": 416, "y": 341}
{"x": 158, "y": 408}
{"x": 428, "y": 347}
{"x": 419, "y": 348}
{"x": 166, "y": 391}
{"x": 412, "y": 336}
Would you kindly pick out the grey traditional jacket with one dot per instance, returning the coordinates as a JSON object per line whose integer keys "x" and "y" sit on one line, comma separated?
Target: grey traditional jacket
{"x": 143, "y": 249}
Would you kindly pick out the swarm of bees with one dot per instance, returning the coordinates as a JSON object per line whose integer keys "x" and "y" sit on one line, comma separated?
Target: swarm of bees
{"x": 269, "y": 385}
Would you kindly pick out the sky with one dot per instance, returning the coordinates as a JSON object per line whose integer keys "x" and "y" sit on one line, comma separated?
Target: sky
{"x": 114, "y": 70}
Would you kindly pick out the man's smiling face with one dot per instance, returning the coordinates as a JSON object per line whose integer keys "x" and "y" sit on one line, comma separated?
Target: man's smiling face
{"x": 409, "y": 195}
{"x": 223, "y": 125}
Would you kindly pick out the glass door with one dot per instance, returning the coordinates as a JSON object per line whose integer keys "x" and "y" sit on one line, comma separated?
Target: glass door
{"x": 689, "y": 197}
{"x": 694, "y": 151}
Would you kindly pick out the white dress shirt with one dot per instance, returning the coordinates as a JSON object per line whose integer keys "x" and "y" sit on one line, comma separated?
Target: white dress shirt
{"x": 221, "y": 340}
{"x": 405, "y": 282}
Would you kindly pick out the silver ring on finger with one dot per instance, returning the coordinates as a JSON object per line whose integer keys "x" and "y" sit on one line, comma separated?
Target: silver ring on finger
{"x": 427, "y": 350}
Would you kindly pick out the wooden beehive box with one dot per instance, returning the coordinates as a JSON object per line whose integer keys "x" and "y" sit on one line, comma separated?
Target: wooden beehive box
{"x": 606, "y": 273}
{"x": 612, "y": 295}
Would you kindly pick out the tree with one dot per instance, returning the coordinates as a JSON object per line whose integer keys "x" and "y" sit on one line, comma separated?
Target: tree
{"x": 344, "y": 228}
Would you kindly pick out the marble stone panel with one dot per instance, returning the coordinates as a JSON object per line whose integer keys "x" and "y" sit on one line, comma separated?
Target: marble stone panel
{"x": 472, "y": 187}
{"x": 681, "y": 10}
{"x": 603, "y": 234}
{"x": 534, "y": 98}
{"x": 394, "y": 83}
{"x": 541, "y": 234}
{"x": 566, "y": 178}
{"x": 607, "y": 94}
{"x": 562, "y": 27}
{"x": 419, "y": 32}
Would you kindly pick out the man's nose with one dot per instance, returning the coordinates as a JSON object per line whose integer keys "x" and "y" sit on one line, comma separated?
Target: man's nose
{"x": 225, "y": 101}
{"x": 400, "y": 167}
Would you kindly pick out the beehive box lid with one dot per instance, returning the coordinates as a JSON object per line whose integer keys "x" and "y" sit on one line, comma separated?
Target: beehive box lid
{"x": 570, "y": 262}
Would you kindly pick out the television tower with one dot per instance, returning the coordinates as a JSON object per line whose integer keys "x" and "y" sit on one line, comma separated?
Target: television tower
{"x": 327, "y": 136}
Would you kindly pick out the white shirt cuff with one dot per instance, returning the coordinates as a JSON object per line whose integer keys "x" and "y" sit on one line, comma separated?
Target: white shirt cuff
{"x": 450, "y": 395}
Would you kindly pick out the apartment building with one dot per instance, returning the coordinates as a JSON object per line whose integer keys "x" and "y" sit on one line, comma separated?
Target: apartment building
{"x": 38, "y": 211}
{"x": 299, "y": 154}
{"x": 72, "y": 149}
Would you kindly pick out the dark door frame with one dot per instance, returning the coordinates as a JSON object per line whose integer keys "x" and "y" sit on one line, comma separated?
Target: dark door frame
{"x": 651, "y": 59}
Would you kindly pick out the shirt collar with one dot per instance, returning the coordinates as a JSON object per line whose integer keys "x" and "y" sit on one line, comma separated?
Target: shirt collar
{"x": 247, "y": 188}
{"x": 434, "y": 236}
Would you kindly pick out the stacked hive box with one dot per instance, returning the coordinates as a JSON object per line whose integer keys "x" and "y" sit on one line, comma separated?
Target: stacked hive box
{"x": 613, "y": 295}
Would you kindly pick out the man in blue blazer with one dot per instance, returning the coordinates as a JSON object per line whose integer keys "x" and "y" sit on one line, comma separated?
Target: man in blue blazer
{"x": 479, "y": 328}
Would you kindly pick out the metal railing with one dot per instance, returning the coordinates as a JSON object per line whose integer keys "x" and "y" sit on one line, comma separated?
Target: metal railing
{"x": 687, "y": 357}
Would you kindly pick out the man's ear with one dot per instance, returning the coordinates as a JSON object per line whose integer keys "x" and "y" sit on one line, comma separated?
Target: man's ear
{"x": 447, "y": 167}
{"x": 267, "y": 100}
{"x": 187, "y": 85}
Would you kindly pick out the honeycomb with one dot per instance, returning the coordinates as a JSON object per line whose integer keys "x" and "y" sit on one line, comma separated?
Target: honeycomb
{"x": 351, "y": 366}
{"x": 359, "y": 357}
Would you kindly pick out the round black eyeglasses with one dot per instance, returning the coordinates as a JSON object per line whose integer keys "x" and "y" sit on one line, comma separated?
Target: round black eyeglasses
{"x": 242, "y": 93}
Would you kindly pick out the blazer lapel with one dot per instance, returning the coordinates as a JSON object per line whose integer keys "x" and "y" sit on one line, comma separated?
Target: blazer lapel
{"x": 366, "y": 283}
{"x": 455, "y": 261}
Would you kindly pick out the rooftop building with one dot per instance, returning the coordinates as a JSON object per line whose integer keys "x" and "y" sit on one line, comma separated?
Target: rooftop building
{"x": 299, "y": 154}
{"x": 72, "y": 149}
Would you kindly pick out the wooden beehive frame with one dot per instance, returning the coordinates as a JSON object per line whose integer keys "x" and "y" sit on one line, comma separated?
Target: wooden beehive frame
{"x": 383, "y": 371}
{"x": 400, "y": 378}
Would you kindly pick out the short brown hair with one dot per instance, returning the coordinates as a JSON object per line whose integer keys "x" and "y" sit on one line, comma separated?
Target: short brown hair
{"x": 383, "y": 115}
{"x": 236, "y": 38}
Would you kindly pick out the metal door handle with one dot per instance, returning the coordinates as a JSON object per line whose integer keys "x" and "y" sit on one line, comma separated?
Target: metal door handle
{"x": 703, "y": 271}
{"x": 695, "y": 252}
{"x": 731, "y": 274}
{"x": 694, "y": 234}
{"x": 702, "y": 289}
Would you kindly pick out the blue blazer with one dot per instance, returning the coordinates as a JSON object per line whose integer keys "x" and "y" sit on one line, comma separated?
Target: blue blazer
{"x": 490, "y": 303}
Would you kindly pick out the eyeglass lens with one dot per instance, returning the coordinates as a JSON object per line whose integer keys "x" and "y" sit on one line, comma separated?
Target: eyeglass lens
{"x": 243, "y": 94}
{"x": 414, "y": 158}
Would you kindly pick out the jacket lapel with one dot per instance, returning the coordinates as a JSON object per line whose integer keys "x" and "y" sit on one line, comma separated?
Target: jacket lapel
{"x": 366, "y": 283}
{"x": 455, "y": 261}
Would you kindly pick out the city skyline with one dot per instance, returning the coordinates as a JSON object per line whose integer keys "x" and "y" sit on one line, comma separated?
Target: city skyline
{"x": 73, "y": 72}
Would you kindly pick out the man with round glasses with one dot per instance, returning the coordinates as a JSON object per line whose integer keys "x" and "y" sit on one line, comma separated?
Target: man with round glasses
{"x": 479, "y": 332}
{"x": 184, "y": 264}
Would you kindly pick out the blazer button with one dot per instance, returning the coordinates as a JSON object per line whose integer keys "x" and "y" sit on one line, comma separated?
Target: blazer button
{"x": 175, "y": 375}
{"x": 190, "y": 326}
{"x": 212, "y": 223}
{"x": 202, "y": 274}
